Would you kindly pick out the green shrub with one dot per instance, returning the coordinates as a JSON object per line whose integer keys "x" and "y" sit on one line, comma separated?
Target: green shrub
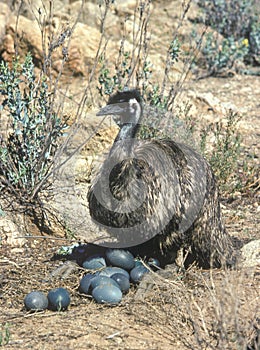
{"x": 223, "y": 155}
{"x": 117, "y": 78}
{"x": 230, "y": 17}
{"x": 27, "y": 153}
{"x": 109, "y": 82}
{"x": 254, "y": 40}
{"x": 155, "y": 100}
{"x": 237, "y": 22}
{"x": 221, "y": 54}
{"x": 4, "y": 334}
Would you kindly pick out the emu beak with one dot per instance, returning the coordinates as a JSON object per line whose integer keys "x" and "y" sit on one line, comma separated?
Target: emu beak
{"x": 113, "y": 109}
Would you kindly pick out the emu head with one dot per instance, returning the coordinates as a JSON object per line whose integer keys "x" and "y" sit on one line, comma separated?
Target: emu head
{"x": 125, "y": 106}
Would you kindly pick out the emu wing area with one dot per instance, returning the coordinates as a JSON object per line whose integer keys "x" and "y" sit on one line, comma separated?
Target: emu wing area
{"x": 161, "y": 197}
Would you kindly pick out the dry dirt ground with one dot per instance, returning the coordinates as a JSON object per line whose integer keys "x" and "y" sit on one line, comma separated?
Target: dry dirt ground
{"x": 195, "y": 309}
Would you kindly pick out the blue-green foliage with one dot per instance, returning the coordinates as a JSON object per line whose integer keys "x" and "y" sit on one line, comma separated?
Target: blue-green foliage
{"x": 108, "y": 82}
{"x": 4, "y": 334}
{"x": 230, "y": 17}
{"x": 155, "y": 98}
{"x": 254, "y": 40}
{"x": 223, "y": 54}
{"x": 237, "y": 22}
{"x": 224, "y": 155}
{"x": 153, "y": 95}
{"x": 119, "y": 80}
{"x": 174, "y": 50}
{"x": 26, "y": 155}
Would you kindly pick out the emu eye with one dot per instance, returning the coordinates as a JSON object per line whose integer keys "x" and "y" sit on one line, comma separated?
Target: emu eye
{"x": 133, "y": 106}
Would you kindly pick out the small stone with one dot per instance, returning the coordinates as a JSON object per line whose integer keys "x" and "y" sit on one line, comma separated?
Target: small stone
{"x": 250, "y": 254}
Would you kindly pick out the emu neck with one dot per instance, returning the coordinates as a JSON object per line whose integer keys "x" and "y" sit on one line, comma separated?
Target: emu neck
{"x": 127, "y": 132}
{"x": 125, "y": 138}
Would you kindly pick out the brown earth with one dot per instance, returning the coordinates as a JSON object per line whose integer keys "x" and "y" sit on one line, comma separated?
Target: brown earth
{"x": 195, "y": 309}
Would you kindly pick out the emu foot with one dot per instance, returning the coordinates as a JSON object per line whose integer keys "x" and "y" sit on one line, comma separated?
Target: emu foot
{"x": 65, "y": 270}
{"x": 157, "y": 279}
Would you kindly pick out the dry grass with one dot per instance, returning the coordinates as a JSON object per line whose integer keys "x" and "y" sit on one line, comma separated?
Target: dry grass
{"x": 193, "y": 310}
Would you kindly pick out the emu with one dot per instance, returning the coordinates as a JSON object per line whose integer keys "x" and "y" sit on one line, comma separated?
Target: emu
{"x": 157, "y": 196}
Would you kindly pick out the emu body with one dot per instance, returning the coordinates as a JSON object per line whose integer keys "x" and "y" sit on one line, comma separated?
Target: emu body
{"x": 163, "y": 194}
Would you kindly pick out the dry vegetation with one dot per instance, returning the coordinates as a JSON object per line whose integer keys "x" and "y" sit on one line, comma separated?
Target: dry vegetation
{"x": 195, "y": 309}
{"x": 191, "y": 310}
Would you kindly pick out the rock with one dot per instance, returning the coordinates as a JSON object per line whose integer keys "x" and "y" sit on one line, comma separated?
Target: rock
{"x": 28, "y": 38}
{"x": 90, "y": 15}
{"x": 8, "y": 46}
{"x": 82, "y": 50}
{"x": 10, "y": 232}
{"x": 250, "y": 254}
{"x": 215, "y": 104}
{"x": 30, "y": 9}
{"x": 4, "y": 15}
{"x": 81, "y": 53}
